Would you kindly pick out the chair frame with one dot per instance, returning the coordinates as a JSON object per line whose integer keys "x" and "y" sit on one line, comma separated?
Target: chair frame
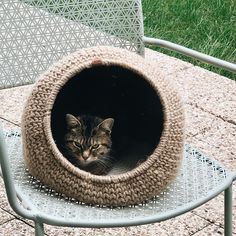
{"x": 24, "y": 209}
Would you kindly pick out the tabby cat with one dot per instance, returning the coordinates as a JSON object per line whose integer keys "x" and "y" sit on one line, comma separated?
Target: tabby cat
{"x": 88, "y": 144}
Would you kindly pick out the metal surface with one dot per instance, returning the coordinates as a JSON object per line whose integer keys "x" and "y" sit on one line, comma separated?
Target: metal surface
{"x": 199, "y": 180}
{"x": 192, "y": 53}
{"x": 11, "y": 188}
{"x": 228, "y": 202}
{"x": 39, "y": 228}
{"x": 36, "y": 34}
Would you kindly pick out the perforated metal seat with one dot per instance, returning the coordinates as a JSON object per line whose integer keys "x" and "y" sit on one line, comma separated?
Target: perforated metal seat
{"x": 199, "y": 180}
{"x": 34, "y": 34}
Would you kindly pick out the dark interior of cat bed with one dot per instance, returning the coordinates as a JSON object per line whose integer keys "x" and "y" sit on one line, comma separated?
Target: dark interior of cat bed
{"x": 147, "y": 135}
{"x": 118, "y": 93}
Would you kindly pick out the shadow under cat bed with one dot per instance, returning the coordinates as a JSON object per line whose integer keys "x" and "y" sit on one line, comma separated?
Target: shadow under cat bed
{"x": 119, "y": 93}
{"x": 132, "y": 103}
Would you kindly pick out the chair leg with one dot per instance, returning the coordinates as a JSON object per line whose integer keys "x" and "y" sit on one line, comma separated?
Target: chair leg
{"x": 228, "y": 211}
{"x": 39, "y": 228}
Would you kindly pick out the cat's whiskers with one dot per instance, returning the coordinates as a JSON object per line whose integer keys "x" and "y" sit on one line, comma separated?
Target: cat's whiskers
{"x": 106, "y": 162}
{"x": 89, "y": 133}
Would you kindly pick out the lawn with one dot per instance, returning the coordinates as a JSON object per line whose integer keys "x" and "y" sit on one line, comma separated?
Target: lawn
{"x": 208, "y": 26}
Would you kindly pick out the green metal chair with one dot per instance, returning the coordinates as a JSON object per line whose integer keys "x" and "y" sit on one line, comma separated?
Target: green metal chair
{"x": 34, "y": 34}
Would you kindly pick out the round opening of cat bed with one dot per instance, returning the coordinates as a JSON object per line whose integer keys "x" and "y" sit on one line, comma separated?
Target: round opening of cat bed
{"x": 112, "y": 91}
{"x": 147, "y": 135}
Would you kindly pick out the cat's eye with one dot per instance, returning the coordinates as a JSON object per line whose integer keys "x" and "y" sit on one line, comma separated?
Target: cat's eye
{"x": 78, "y": 145}
{"x": 95, "y": 146}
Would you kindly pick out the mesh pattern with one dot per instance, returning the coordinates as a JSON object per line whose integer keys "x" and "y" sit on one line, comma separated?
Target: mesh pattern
{"x": 198, "y": 176}
{"x": 36, "y": 34}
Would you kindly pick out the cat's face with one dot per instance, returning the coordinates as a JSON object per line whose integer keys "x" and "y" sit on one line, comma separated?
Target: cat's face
{"x": 88, "y": 139}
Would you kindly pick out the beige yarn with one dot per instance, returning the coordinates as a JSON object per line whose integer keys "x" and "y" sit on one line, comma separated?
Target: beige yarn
{"x": 46, "y": 163}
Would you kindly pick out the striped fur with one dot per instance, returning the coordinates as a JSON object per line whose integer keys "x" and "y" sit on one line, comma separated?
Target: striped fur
{"x": 88, "y": 143}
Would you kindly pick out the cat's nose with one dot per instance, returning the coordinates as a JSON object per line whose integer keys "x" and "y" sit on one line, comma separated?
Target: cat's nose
{"x": 86, "y": 155}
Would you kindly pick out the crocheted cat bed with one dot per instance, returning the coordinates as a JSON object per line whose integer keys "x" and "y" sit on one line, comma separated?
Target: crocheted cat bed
{"x": 147, "y": 132}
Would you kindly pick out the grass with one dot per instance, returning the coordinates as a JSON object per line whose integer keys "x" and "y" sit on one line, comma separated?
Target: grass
{"x": 208, "y": 26}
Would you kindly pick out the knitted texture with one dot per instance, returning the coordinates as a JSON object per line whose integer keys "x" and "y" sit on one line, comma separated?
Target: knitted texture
{"x": 46, "y": 163}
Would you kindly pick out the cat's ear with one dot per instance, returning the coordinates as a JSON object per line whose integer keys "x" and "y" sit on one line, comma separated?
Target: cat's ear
{"x": 72, "y": 122}
{"x": 106, "y": 125}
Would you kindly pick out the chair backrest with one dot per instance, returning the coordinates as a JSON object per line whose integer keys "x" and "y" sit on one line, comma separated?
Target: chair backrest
{"x": 34, "y": 34}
